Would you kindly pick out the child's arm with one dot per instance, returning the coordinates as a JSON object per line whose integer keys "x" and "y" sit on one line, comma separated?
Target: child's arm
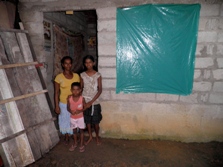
{"x": 84, "y": 108}
{"x": 98, "y": 93}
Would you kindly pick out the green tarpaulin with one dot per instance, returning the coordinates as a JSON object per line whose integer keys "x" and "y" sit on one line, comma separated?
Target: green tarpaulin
{"x": 156, "y": 47}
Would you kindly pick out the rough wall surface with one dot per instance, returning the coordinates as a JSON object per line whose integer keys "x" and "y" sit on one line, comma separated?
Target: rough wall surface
{"x": 194, "y": 118}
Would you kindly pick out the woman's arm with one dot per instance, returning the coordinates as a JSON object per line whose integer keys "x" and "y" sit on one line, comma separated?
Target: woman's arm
{"x": 68, "y": 105}
{"x": 56, "y": 97}
{"x": 82, "y": 83}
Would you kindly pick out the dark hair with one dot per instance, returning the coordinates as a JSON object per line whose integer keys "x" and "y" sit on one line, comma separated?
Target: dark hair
{"x": 76, "y": 84}
{"x": 65, "y": 58}
{"x": 92, "y": 59}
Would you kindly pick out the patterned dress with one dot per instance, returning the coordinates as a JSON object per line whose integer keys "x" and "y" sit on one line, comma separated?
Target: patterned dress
{"x": 93, "y": 114}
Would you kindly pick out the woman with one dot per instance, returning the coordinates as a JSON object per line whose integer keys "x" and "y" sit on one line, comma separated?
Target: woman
{"x": 62, "y": 85}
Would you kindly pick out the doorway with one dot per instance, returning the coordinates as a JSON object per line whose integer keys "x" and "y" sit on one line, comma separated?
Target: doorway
{"x": 72, "y": 33}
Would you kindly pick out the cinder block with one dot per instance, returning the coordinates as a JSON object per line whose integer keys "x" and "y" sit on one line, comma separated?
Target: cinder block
{"x": 107, "y": 25}
{"x": 220, "y": 62}
{"x": 107, "y": 61}
{"x": 48, "y": 0}
{"x": 34, "y": 28}
{"x": 105, "y": 95}
{"x": 219, "y": 51}
{"x": 197, "y": 74}
{"x": 107, "y": 38}
{"x": 107, "y": 50}
{"x": 216, "y": 98}
{"x": 204, "y": 97}
{"x": 212, "y": 24}
{"x": 31, "y": 16}
{"x": 202, "y": 86}
{"x": 220, "y": 26}
{"x": 218, "y": 87}
{"x": 108, "y": 72}
{"x": 144, "y": 97}
{"x": 210, "y": 10}
{"x": 120, "y": 96}
{"x": 207, "y": 74}
{"x": 190, "y": 98}
{"x": 207, "y": 36}
{"x": 208, "y": 24}
{"x": 106, "y": 13}
{"x": 108, "y": 83}
{"x": 206, "y": 49}
{"x": 167, "y": 97}
{"x": 221, "y": 14}
{"x": 218, "y": 74}
{"x": 204, "y": 62}
{"x": 202, "y": 24}
{"x": 220, "y": 37}
{"x": 200, "y": 49}
{"x": 37, "y": 39}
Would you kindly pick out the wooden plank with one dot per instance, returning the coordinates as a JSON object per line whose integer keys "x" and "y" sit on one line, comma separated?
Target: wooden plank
{"x": 20, "y": 79}
{"x": 27, "y": 81}
{"x": 10, "y": 110}
{"x": 17, "y": 65}
{"x": 18, "y": 151}
{"x": 11, "y": 123}
{"x": 25, "y": 40}
{"x": 26, "y": 130}
{"x": 13, "y": 30}
{"x": 43, "y": 133}
{"x": 22, "y": 97}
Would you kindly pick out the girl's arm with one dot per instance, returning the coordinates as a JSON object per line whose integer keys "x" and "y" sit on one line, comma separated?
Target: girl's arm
{"x": 98, "y": 94}
{"x": 56, "y": 97}
{"x": 82, "y": 83}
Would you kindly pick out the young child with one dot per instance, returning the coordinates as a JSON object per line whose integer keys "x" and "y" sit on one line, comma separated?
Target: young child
{"x": 76, "y": 106}
{"x": 91, "y": 83}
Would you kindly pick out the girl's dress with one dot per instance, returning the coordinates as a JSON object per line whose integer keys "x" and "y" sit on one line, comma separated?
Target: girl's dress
{"x": 93, "y": 114}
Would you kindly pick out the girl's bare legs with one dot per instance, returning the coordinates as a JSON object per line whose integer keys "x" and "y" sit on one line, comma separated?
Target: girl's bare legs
{"x": 96, "y": 127}
{"x": 90, "y": 134}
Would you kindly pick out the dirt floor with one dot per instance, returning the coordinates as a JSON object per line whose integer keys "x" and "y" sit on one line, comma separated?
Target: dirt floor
{"x": 136, "y": 153}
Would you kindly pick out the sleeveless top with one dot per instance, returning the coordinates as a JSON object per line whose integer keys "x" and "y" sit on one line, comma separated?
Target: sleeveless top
{"x": 90, "y": 88}
{"x": 76, "y": 105}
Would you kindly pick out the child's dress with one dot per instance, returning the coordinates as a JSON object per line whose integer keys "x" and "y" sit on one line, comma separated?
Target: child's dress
{"x": 93, "y": 114}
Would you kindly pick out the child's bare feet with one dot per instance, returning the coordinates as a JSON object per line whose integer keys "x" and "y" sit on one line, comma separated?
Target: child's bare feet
{"x": 98, "y": 141}
{"x": 89, "y": 140}
{"x": 73, "y": 146}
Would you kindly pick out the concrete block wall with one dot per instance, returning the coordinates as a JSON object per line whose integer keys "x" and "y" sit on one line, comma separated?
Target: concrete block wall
{"x": 194, "y": 118}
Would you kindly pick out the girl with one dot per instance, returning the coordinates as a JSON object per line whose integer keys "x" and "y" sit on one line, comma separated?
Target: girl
{"x": 92, "y": 87}
{"x": 62, "y": 84}
{"x": 75, "y": 105}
